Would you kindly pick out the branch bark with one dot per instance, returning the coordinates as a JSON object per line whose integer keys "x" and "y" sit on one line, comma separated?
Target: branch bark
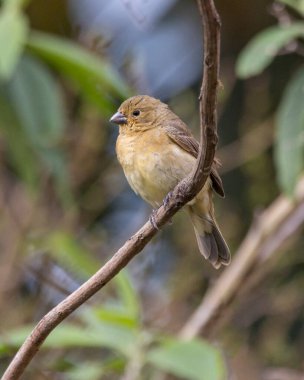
{"x": 264, "y": 237}
{"x": 181, "y": 195}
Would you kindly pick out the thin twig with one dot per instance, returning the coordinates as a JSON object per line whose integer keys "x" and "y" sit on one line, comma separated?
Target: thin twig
{"x": 282, "y": 374}
{"x": 182, "y": 194}
{"x": 280, "y": 12}
{"x": 254, "y": 250}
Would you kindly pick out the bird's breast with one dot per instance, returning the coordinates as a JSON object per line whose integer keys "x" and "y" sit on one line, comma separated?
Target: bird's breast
{"x": 152, "y": 163}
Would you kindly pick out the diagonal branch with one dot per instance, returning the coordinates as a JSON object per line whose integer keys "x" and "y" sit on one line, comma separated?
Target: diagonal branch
{"x": 264, "y": 237}
{"x": 182, "y": 194}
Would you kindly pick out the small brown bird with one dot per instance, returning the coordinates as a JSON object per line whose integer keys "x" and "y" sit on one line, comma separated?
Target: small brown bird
{"x": 156, "y": 150}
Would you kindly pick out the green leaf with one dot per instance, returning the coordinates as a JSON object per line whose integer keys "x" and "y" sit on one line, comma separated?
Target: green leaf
{"x": 91, "y": 370}
{"x": 263, "y": 48}
{"x": 35, "y": 99}
{"x": 86, "y": 370}
{"x": 19, "y": 4}
{"x": 37, "y": 102}
{"x": 127, "y": 293}
{"x": 193, "y": 360}
{"x": 115, "y": 335}
{"x": 289, "y": 147}
{"x": 69, "y": 336}
{"x": 297, "y": 5}
{"x": 117, "y": 315}
{"x": 13, "y": 34}
{"x": 69, "y": 252}
{"x": 22, "y": 157}
{"x": 61, "y": 337}
{"x": 55, "y": 162}
{"x": 92, "y": 74}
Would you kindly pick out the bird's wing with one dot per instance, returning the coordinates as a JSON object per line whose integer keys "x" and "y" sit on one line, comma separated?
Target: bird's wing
{"x": 217, "y": 183}
{"x": 180, "y": 134}
{"x": 182, "y": 137}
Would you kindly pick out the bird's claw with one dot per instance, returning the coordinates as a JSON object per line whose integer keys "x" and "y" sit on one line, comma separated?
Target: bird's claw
{"x": 153, "y": 221}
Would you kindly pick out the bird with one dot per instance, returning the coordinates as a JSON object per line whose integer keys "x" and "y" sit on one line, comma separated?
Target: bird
{"x": 157, "y": 150}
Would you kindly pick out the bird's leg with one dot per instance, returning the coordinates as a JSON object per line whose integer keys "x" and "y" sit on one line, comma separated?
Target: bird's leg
{"x": 154, "y": 211}
{"x": 152, "y": 219}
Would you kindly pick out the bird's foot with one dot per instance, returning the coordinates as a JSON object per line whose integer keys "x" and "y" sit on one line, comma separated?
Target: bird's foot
{"x": 153, "y": 221}
{"x": 167, "y": 199}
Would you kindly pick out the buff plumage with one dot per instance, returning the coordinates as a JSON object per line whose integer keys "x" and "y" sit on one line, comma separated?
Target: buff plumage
{"x": 156, "y": 150}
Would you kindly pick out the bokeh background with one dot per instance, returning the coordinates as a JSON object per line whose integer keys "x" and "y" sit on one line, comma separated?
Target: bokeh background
{"x": 65, "y": 67}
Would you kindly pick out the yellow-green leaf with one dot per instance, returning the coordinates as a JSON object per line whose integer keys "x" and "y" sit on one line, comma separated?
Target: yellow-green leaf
{"x": 13, "y": 34}
{"x": 193, "y": 360}
{"x": 263, "y": 48}
{"x": 289, "y": 147}
{"x": 297, "y": 5}
{"x": 96, "y": 78}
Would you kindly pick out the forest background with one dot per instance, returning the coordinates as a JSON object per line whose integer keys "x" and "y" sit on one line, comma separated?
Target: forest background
{"x": 66, "y": 206}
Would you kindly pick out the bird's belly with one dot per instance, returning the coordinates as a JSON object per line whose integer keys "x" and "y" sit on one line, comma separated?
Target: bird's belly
{"x": 157, "y": 173}
{"x": 154, "y": 181}
{"x": 148, "y": 189}
{"x": 152, "y": 168}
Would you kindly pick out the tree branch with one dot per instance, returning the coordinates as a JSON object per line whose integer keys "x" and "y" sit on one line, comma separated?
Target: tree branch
{"x": 182, "y": 194}
{"x": 282, "y": 218}
{"x": 282, "y": 374}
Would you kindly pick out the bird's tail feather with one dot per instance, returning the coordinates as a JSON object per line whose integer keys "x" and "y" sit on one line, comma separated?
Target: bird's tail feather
{"x": 210, "y": 240}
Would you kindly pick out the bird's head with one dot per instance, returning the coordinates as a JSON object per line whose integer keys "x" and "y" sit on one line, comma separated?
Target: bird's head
{"x": 140, "y": 113}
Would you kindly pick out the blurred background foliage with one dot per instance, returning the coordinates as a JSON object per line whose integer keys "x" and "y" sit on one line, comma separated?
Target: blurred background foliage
{"x": 65, "y": 66}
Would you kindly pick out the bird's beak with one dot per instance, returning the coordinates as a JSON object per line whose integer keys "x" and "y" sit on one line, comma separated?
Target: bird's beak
{"x": 118, "y": 118}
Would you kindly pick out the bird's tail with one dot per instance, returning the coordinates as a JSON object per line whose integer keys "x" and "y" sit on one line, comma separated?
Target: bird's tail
{"x": 209, "y": 239}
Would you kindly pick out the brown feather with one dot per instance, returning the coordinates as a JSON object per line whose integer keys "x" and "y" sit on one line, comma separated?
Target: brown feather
{"x": 180, "y": 134}
{"x": 156, "y": 151}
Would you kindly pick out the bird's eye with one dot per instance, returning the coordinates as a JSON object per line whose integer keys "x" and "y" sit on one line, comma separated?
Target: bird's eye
{"x": 136, "y": 113}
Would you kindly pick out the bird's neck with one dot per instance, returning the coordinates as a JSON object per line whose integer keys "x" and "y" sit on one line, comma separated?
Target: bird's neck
{"x": 135, "y": 128}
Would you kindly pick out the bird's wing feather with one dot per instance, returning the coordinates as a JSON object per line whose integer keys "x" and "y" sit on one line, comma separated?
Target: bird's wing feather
{"x": 182, "y": 137}
{"x": 178, "y": 132}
